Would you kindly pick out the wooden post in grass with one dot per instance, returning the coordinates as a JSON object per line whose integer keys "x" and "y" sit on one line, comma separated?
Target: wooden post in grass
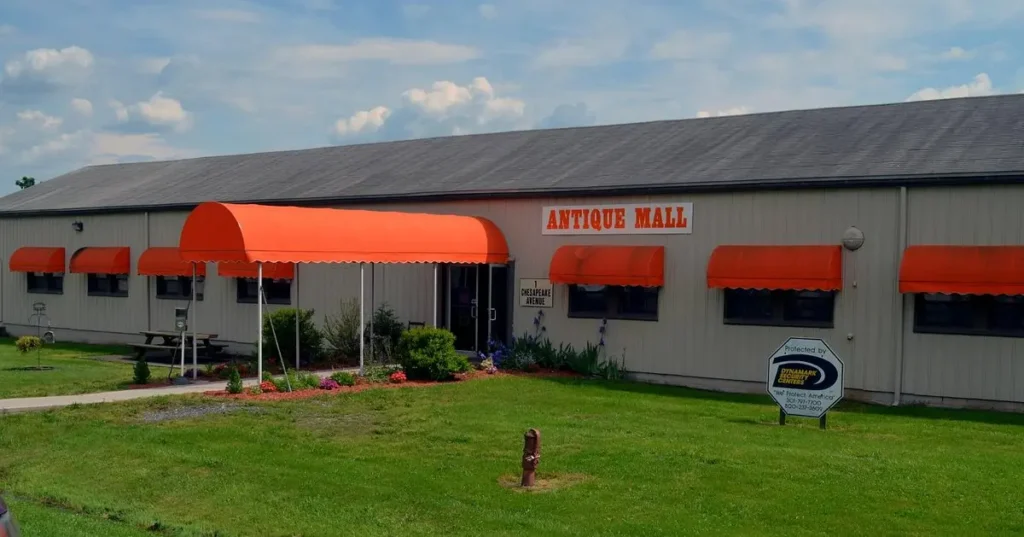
{"x": 531, "y": 457}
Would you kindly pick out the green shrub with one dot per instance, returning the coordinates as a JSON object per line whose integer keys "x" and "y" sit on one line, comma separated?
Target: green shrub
{"x": 282, "y": 322}
{"x": 385, "y": 335}
{"x": 234, "y": 381}
{"x": 306, "y": 380}
{"x": 28, "y": 343}
{"x": 341, "y": 332}
{"x": 377, "y": 373}
{"x": 141, "y": 372}
{"x": 429, "y": 353}
{"x": 344, "y": 378}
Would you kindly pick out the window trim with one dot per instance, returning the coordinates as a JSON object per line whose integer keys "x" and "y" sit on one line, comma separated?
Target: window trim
{"x": 611, "y": 307}
{"x": 113, "y": 279}
{"x": 29, "y": 276}
{"x": 978, "y": 311}
{"x": 778, "y": 299}
{"x": 164, "y": 296}
{"x": 271, "y": 300}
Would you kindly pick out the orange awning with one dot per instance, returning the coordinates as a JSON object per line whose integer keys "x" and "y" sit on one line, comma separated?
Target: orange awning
{"x": 248, "y": 233}
{"x": 963, "y": 270}
{"x": 609, "y": 265}
{"x": 102, "y": 260}
{"x": 806, "y": 268}
{"x": 166, "y": 261}
{"x": 273, "y": 271}
{"x": 37, "y": 259}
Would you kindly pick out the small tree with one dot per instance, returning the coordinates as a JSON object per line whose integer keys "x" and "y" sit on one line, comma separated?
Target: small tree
{"x": 341, "y": 331}
{"x": 25, "y": 182}
{"x": 26, "y": 343}
{"x": 235, "y": 381}
{"x": 282, "y": 322}
{"x": 142, "y": 373}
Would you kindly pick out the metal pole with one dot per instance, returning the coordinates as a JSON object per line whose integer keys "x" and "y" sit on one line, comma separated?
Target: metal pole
{"x": 373, "y": 289}
{"x": 297, "y": 310}
{"x": 195, "y": 320}
{"x": 490, "y": 301}
{"x": 182, "y": 353}
{"x": 782, "y": 417}
{"x": 900, "y": 302}
{"x": 362, "y": 323}
{"x": 435, "y": 295}
{"x": 259, "y": 324}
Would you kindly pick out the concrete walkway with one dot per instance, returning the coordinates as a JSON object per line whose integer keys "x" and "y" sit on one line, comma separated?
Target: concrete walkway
{"x": 25, "y": 404}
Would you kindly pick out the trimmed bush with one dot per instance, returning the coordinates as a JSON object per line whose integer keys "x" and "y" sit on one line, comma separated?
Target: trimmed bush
{"x": 429, "y": 353}
{"x": 282, "y": 322}
{"x": 234, "y": 381}
{"x": 141, "y": 372}
{"x": 344, "y": 378}
{"x": 28, "y": 343}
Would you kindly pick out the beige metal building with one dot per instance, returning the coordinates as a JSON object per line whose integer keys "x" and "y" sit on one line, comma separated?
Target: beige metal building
{"x": 893, "y": 232}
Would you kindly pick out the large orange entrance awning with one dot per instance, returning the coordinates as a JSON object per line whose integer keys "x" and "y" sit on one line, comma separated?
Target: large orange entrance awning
{"x": 102, "y": 260}
{"x": 806, "y": 268}
{"x": 166, "y": 261}
{"x": 37, "y": 259}
{"x": 963, "y": 270}
{"x": 642, "y": 266}
{"x": 271, "y": 271}
{"x": 259, "y": 233}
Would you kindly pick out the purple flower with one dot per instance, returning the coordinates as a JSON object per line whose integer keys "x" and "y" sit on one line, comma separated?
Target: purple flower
{"x": 329, "y": 384}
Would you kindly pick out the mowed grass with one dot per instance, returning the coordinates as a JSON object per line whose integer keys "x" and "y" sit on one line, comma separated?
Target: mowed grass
{"x": 622, "y": 459}
{"x": 75, "y": 370}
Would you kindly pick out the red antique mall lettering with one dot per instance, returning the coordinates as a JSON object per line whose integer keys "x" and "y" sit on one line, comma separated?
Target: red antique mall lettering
{"x": 563, "y": 219}
{"x": 680, "y": 218}
{"x": 600, "y": 219}
{"x": 606, "y": 215}
{"x": 586, "y": 218}
{"x": 643, "y": 218}
{"x": 620, "y": 218}
{"x": 576, "y": 214}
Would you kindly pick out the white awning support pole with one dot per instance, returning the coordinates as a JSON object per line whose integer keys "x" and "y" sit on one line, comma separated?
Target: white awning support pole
{"x": 195, "y": 321}
{"x": 298, "y": 335}
{"x": 362, "y": 321}
{"x": 435, "y": 296}
{"x": 259, "y": 324}
{"x": 373, "y": 289}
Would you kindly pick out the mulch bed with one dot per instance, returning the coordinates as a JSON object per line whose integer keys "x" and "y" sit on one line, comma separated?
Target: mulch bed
{"x": 362, "y": 385}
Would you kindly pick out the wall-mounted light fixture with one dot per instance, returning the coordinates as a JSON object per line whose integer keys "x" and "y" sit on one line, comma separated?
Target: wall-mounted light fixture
{"x": 77, "y": 225}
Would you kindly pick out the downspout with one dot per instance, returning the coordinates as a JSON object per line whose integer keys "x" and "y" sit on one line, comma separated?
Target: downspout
{"x": 149, "y": 290}
{"x": 899, "y": 305}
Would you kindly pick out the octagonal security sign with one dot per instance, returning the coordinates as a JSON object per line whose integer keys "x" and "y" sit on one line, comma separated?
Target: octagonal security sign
{"x": 805, "y": 377}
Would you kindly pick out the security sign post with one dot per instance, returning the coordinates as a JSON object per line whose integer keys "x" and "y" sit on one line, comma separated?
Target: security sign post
{"x": 805, "y": 377}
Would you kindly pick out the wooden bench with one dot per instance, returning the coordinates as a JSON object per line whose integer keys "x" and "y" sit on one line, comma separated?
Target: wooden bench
{"x": 142, "y": 348}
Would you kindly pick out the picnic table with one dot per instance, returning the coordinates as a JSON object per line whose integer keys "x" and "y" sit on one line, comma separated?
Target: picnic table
{"x": 171, "y": 341}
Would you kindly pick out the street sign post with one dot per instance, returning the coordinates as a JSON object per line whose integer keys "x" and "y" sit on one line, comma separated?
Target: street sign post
{"x": 805, "y": 378}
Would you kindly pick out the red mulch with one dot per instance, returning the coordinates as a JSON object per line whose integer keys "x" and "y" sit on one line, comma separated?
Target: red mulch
{"x": 362, "y": 385}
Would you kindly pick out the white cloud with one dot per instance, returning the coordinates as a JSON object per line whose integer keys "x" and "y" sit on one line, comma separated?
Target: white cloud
{"x": 159, "y": 111}
{"x": 39, "y": 119}
{"x": 105, "y": 147}
{"x": 362, "y": 121}
{"x": 689, "y": 45}
{"x": 54, "y": 146}
{"x": 395, "y": 51}
{"x": 228, "y": 15}
{"x": 445, "y": 108}
{"x": 582, "y": 53}
{"x": 47, "y": 65}
{"x": 153, "y": 66}
{"x": 980, "y": 86}
{"x": 488, "y": 11}
{"x": 735, "y": 111}
{"x": 82, "y": 106}
{"x": 957, "y": 53}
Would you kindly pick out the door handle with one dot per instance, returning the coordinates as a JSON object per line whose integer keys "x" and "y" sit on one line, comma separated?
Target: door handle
{"x": 492, "y": 314}
{"x": 472, "y": 312}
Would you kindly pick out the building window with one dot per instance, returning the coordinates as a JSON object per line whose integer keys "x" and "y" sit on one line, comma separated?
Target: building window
{"x": 613, "y": 302}
{"x": 177, "y": 287}
{"x": 277, "y": 291}
{"x": 812, "y": 309}
{"x": 108, "y": 285}
{"x": 47, "y": 283}
{"x": 969, "y": 315}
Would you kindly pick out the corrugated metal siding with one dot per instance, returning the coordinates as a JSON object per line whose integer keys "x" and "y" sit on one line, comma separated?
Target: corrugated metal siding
{"x": 689, "y": 339}
{"x": 964, "y": 366}
{"x": 74, "y": 309}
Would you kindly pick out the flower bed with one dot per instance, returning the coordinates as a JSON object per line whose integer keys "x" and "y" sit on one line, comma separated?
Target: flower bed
{"x": 362, "y": 385}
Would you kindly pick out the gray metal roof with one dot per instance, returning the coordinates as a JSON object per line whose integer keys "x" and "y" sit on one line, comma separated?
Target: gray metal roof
{"x": 956, "y": 139}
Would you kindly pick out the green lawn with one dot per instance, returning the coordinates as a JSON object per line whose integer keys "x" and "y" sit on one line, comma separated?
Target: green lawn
{"x": 75, "y": 370}
{"x": 629, "y": 460}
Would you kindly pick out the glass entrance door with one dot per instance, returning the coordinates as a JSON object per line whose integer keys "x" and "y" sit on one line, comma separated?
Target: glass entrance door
{"x": 463, "y": 300}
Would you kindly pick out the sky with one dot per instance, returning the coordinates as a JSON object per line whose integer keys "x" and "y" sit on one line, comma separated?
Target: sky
{"x": 86, "y": 82}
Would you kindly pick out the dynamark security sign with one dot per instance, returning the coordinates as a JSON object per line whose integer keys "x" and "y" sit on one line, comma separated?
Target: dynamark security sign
{"x": 805, "y": 377}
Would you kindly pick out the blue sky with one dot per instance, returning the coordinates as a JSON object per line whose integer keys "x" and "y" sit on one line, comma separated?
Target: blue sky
{"x": 99, "y": 81}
